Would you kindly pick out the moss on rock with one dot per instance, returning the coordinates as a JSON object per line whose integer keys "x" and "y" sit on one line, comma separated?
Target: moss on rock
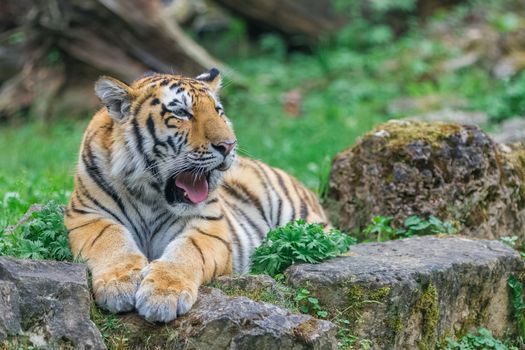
{"x": 401, "y": 133}
{"x": 261, "y": 288}
{"x": 395, "y": 323}
{"x": 358, "y": 299}
{"x": 428, "y": 306}
{"x": 513, "y": 166}
{"x": 411, "y": 293}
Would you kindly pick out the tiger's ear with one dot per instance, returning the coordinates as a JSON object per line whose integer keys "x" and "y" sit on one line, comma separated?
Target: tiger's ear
{"x": 115, "y": 95}
{"x": 212, "y": 78}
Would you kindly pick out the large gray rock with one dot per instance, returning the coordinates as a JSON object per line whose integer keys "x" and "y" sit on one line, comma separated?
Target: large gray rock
{"x": 412, "y": 293}
{"x": 455, "y": 172}
{"x": 218, "y": 321}
{"x": 46, "y": 304}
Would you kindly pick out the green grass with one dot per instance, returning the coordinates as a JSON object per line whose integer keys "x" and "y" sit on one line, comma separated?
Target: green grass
{"x": 347, "y": 84}
{"x": 37, "y": 165}
{"x": 114, "y": 332}
{"x": 339, "y": 102}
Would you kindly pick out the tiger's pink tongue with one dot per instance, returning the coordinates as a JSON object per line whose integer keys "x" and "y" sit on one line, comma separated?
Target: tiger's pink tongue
{"x": 195, "y": 186}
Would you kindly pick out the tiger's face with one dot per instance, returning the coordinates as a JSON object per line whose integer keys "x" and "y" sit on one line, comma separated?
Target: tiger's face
{"x": 175, "y": 138}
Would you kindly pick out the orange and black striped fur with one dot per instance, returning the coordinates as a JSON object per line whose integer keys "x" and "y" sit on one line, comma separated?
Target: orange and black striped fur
{"x": 162, "y": 204}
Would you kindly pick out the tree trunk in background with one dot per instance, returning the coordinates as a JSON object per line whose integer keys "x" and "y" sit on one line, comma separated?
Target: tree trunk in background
{"x": 307, "y": 19}
{"x": 65, "y": 44}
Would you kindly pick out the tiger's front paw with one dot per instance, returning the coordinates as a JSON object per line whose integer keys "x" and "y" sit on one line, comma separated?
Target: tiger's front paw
{"x": 165, "y": 292}
{"x": 115, "y": 286}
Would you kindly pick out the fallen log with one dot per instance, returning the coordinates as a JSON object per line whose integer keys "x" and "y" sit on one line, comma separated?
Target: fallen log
{"x": 66, "y": 44}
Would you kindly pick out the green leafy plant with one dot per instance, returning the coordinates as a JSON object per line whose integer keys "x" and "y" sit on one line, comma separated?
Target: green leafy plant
{"x": 509, "y": 240}
{"x": 346, "y": 340}
{"x": 309, "y": 304}
{"x": 481, "y": 340}
{"x": 415, "y": 225}
{"x": 43, "y": 236}
{"x": 381, "y": 227}
{"x": 298, "y": 242}
{"x": 518, "y": 305}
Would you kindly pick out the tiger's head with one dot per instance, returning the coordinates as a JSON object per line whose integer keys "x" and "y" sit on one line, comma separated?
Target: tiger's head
{"x": 173, "y": 137}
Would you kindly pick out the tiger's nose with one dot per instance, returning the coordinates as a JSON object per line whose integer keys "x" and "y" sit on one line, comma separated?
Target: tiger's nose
{"x": 225, "y": 147}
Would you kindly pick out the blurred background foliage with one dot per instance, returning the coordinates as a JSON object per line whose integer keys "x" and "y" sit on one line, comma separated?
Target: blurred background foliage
{"x": 302, "y": 78}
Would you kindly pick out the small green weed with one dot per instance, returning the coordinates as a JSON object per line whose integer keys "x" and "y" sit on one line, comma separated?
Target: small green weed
{"x": 43, "y": 236}
{"x": 414, "y": 225}
{"x": 417, "y": 226}
{"x": 509, "y": 240}
{"x": 306, "y": 303}
{"x": 346, "y": 340}
{"x": 309, "y": 304}
{"x": 298, "y": 242}
{"x": 381, "y": 228}
{"x": 481, "y": 340}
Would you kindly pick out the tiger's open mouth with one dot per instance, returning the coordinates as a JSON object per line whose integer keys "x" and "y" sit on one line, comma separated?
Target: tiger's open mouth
{"x": 187, "y": 187}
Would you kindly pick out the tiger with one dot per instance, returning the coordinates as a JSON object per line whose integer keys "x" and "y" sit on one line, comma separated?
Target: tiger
{"x": 161, "y": 202}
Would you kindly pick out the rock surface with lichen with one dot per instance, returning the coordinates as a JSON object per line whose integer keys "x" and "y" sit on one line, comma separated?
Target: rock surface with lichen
{"x": 413, "y": 293}
{"x": 455, "y": 172}
{"x": 219, "y": 321}
{"x": 45, "y": 305}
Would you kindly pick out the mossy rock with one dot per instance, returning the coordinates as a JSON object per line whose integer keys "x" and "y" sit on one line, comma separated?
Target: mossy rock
{"x": 413, "y": 293}
{"x": 455, "y": 172}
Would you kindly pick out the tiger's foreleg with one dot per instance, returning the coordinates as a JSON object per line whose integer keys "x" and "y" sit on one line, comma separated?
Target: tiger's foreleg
{"x": 170, "y": 284}
{"x": 112, "y": 255}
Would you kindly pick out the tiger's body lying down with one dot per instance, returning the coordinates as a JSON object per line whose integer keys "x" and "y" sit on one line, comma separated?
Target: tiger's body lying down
{"x": 161, "y": 204}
